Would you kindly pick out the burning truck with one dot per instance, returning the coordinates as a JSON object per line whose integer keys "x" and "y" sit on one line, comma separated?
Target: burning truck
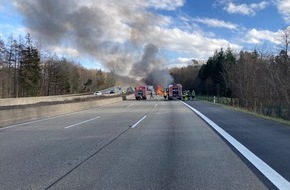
{"x": 175, "y": 92}
{"x": 141, "y": 92}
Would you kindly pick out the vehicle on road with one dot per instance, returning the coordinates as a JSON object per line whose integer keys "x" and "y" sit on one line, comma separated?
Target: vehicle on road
{"x": 98, "y": 93}
{"x": 174, "y": 91}
{"x": 141, "y": 93}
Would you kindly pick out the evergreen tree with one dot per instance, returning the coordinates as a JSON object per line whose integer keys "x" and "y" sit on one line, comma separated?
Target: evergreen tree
{"x": 29, "y": 71}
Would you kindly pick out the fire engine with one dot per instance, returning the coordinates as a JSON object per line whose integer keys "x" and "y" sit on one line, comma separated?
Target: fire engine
{"x": 141, "y": 93}
{"x": 175, "y": 91}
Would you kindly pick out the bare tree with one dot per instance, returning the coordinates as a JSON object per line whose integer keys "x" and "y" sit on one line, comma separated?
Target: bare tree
{"x": 2, "y": 59}
{"x": 285, "y": 39}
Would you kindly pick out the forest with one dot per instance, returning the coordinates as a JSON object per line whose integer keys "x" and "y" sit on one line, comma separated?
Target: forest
{"x": 26, "y": 72}
{"x": 258, "y": 80}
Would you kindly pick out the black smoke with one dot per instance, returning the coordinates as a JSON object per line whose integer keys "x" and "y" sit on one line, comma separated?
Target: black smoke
{"x": 148, "y": 61}
{"x": 159, "y": 78}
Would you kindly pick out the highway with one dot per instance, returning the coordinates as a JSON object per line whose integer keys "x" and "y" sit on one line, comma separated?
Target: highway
{"x": 137, "y": 145}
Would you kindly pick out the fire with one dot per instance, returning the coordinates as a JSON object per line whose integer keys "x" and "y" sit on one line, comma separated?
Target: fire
{"x": 159, "y": 90}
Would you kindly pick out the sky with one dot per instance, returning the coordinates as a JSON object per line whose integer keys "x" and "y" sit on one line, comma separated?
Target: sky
{"x": 133, "y": 38}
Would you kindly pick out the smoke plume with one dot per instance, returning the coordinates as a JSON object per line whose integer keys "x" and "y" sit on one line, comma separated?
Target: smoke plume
{"x": 159, "y": 78}
{"x": 148, "y": 61}
{"x": 112, "y": 32}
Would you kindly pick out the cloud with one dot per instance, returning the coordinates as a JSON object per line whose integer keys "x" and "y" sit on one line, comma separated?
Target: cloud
{"x": 245, "y": 9}
{"x": 260, "y": 6}
{"x": 255, "y": 36}
{"x": 1, "y": 8}
{"x": 216, "y": 23}
{"x": 165, "y": 4}
{"x": 185, "y": 61}
{"x": 284, "y": 8}
{"x": 65, "y": 51}
{"x": 192, "y": 43}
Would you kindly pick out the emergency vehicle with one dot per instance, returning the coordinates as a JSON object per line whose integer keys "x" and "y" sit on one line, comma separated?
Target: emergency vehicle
{"x": 175, "y": 91}
{"x": 141, "y": 92}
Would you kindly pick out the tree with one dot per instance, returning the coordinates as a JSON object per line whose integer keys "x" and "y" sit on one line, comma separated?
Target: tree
{"x": 282, "y": 76}
{"x": 229, "y": 72}
{"x": 186, "y": 76}
{"x": 10, "y": 54}
{"x": 2, "y": 60}
{"x": 58, "y": 76}
{"x": 29, "y": 71}
{"x": 213, "y": 75}
{"x": 24, "y": 71}
{"x": 285, "y": 40}
{"x": 110, "y": 79}
{"x": 100, "y": 79}
{"x": 74, "y": 78}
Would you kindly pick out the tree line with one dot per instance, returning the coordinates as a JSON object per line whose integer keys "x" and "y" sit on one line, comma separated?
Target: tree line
{"x": 251, "y": 76}
{"x": 26, "y": 72}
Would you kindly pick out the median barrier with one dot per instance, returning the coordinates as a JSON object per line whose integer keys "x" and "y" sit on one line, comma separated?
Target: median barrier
{"x": 34, "y": 100}
{"x": 38, "y": 111}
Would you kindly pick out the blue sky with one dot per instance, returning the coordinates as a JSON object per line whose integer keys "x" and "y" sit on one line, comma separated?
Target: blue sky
{"x": 113, "y": 34}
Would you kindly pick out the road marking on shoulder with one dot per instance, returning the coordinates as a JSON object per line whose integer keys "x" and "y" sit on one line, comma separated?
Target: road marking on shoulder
{"x": 279, "y": 181}
{"x": 67, "y": 127}
{"x": 40, "y": 120}
{"x": 139, "y": 121}
{"x": 156, "y": 105}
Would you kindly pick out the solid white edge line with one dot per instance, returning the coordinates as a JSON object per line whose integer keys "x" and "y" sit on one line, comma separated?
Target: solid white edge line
{"x": 279, "y": 181}
{"x": 139, "y": 121}
{"x": 82, "y": 122}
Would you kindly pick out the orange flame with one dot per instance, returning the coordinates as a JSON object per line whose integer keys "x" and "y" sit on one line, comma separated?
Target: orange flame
{"x": 159, "y": 90}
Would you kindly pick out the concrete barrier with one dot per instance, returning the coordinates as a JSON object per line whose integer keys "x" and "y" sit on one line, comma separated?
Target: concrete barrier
{"x": 10, "y": 116}
{"x": 34, "y": 100}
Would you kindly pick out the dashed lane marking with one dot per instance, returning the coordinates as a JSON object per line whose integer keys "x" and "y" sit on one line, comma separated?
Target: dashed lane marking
{"x": 139, "y": 121}
{"x": 67, "y": 127}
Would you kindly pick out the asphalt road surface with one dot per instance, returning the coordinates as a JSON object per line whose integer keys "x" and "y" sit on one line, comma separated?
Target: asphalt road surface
{"x": 131, "y": 145}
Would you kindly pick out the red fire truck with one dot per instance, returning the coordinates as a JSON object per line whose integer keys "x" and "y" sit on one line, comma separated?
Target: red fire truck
{"x": 175, "y": 91}
{"x": 141, "y": 92}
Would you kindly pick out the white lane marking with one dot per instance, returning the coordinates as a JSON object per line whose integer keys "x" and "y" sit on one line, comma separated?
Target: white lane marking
{"x": 279, "y": 181}
{"x": 40, "y": 120}
{"x": 67, "y": 127}
{"x": 130, "y": 105}
{"x": 156, "y": 105}
{"x": 36, "y": 121}
{"x": 139, "y": 121}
